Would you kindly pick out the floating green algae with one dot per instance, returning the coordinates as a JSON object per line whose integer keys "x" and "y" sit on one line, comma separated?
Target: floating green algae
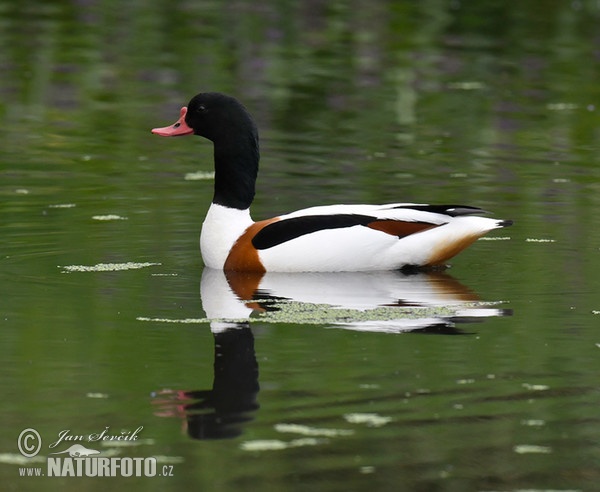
{"x": 306, "y": 430}
{"x": 106, "y": 267}
{"x": 308, "y": 313}
{"x": 294, "y": 312}
{"x": 279, "y": 445}
{"x": 368, "y": 419}
{"x": 200, "y": 176}
{"x": 108, "y": 217}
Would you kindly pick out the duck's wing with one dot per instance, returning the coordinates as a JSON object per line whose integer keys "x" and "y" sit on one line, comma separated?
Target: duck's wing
{"x": 398, "y": 220}
{"x": 359, "y": 238}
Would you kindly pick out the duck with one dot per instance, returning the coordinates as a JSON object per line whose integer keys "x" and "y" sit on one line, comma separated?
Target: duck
{"x": 322, "y": 238}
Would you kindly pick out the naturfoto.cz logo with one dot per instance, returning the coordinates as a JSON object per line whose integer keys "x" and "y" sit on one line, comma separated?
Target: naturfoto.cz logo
{"x": 78, "y": 460}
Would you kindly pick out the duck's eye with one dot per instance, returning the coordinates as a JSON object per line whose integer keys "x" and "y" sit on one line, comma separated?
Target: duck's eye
{"x": 202, "y": 108}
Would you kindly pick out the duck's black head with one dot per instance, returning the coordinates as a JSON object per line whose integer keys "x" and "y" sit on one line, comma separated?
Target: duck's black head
{"x": 215, "y": 116}
{"x": 225, "y": 121}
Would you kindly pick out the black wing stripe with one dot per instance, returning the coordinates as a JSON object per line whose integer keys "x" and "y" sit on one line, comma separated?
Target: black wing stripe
{"x": 285, "y": 230}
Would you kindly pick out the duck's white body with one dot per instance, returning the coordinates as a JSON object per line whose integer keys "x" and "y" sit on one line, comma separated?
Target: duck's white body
{"x": 318, "y": 239}
{"x": 354, "y": 248}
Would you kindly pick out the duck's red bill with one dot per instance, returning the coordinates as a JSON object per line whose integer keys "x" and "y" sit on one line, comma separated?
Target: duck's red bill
{"x": 179, "y": 128}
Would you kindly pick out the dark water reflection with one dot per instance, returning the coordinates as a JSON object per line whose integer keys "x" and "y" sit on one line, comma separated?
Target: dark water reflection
{"x": 220, "y": 412}
{"x": 494, "y": 104}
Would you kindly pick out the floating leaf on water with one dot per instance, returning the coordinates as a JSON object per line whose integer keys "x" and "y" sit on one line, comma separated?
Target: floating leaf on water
{"x": 533, "y": 422}
{"x": 174, "y": 320}
{"x": 369, "y": 419}
{"x": 305, "y": 430}
{"x": 62, "y": 205}
{"x": 263, "y": 445}
{"x": 107, "y": 267}
{"x": 536, "y": 387}
{"x": 199, "y": 176}
{"x": 277, "y": 445}
{"x": 108, "y": 217}
{"x": 532, "y": 449}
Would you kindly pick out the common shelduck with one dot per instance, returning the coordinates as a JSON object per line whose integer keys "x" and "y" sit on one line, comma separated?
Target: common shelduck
{"x": 324, "y": 238}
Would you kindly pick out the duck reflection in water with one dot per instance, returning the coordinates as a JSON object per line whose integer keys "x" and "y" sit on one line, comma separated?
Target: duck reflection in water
{"x": 230, "y": 298}
{"x": 219, "y": 412}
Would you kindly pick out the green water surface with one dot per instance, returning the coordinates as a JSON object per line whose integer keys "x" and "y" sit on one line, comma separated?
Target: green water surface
{"x": 491, "y": 104}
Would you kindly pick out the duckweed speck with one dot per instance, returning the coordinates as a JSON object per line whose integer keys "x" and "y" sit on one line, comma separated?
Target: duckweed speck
{"x": 106, "y": 267}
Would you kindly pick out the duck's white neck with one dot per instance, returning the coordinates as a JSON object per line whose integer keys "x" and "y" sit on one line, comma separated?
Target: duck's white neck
{"x": 220, "y": 230}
